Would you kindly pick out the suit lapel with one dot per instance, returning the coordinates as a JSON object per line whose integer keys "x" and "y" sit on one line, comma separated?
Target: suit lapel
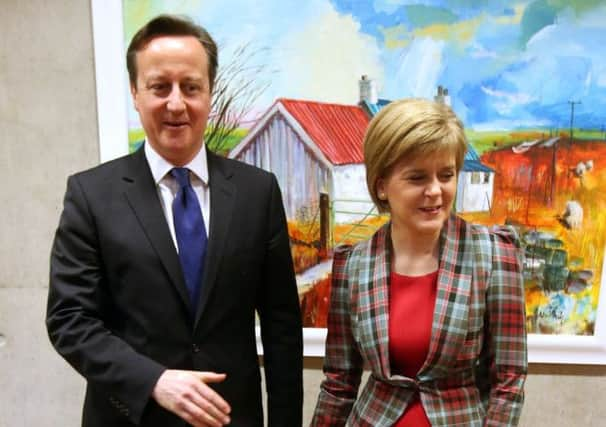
{"x": 374, "y": 268}
{"x": 143, "y": 198}
{"x": 222, "y": 197}
{"x": 449, "y": 326}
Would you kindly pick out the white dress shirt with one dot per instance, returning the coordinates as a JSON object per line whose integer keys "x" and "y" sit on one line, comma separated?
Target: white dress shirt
{"x": 167, "y": 185}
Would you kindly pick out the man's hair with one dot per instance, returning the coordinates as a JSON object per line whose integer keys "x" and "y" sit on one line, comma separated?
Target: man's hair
{"x": 171, "y": 25}
{"x": 409, "y": 127}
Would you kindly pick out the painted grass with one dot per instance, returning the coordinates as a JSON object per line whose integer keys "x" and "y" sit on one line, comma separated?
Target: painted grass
{"x": 489, "y": 140}
{"x": 232, "y": 140}
{"x": 135, "y": 139}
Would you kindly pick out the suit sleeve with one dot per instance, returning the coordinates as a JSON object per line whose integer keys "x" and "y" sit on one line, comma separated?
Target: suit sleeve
{"x": 78, "y": 304}
{"x": 343, "y": 363}
{"x": 280, "y": 319}
{"x": 506, "y": 333}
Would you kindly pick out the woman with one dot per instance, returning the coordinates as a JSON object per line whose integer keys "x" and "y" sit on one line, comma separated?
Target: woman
{"x": 433, "y": 305}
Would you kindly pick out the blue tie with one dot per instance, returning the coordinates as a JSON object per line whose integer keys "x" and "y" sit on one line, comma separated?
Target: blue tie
{"x": 191, "y": 234}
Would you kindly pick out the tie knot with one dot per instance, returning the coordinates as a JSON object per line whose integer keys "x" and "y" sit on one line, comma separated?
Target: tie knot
{"x": 182, "y": 176}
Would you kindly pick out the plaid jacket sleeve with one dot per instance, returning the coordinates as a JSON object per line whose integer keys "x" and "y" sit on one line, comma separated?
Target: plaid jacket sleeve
{"x": 342, "y": 363}
{"x": 505, "y": 330}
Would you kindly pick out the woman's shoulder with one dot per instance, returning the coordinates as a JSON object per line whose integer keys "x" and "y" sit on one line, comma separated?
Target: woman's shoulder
{"x": 499, "y": 243}
{"x": 497, "y": 234}
{"x": 344, "y": 252}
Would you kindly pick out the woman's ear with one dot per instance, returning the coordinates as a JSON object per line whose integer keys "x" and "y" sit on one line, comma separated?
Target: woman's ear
{"x": 381, "y": 189}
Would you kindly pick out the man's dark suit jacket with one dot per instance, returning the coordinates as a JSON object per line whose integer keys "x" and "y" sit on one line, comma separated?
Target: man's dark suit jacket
{"x": 118, "y": 309}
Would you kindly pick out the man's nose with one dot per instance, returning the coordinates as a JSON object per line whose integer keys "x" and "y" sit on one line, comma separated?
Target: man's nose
{"x": 175, "y": 101}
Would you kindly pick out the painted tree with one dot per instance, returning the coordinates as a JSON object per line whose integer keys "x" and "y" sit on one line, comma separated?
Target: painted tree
{"x": 238, "y": 85}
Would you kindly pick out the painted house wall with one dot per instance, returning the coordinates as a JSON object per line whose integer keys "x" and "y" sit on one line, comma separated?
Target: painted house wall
{"x": 278, "y": 148}
{"x": 349, "y": 193}
{"x": 474, "y": 197}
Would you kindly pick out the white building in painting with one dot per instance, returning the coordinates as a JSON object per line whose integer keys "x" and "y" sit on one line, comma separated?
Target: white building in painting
{"x": 312, "y": 148}
{"x": 475, "y": 184}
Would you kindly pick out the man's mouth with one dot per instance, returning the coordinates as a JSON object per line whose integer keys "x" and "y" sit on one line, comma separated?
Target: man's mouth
{"x": 175, "y": 124}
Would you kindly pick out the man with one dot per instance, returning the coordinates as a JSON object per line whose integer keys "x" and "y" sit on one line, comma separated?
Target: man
{"x": 162, "y": 257}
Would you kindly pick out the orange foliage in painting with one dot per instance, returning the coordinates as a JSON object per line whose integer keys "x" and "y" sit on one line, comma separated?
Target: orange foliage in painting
{"x": 304, "y": 244}
{"x": 305, "y": 239}
{"x": 531, "y": 190}
{"x": 314, "y": 304}
{"x": 350, "y": 234}
{"x": 303, "y": 257}
{"x": 315, "y": 298}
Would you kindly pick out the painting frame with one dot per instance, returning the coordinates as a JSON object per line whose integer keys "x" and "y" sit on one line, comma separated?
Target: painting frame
{"x": 112, "y": 84}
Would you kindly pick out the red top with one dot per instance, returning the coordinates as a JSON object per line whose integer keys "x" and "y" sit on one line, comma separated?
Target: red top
{"x": 411, "y": 305}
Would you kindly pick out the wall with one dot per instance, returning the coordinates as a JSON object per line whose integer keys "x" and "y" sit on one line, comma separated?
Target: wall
{"x": 47, "y": 131}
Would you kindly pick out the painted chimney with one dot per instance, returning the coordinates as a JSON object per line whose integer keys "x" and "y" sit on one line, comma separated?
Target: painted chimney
{"x": 442, "y": 96}
{"x": 368, "y": 90}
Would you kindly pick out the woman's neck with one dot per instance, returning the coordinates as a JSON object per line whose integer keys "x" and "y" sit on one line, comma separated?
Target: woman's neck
{"x": 414, "y": 255}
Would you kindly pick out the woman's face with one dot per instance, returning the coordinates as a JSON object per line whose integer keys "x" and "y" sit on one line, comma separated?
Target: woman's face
{"x": 420, "y": 191}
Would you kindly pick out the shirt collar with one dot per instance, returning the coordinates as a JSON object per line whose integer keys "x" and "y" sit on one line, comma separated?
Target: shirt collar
{"x": 160, "y": 166}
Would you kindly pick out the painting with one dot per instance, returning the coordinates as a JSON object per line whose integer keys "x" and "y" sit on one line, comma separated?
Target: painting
{"x": 303, "y": 79}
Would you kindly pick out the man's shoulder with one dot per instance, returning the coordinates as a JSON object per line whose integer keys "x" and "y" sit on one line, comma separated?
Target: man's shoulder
{"x": 110, "y": 168}
{"x": 106, "y": 178}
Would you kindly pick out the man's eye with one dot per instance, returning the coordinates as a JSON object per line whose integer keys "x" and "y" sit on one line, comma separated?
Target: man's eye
{"x": 192, "y": 88}
{"x": 158, "y": 87}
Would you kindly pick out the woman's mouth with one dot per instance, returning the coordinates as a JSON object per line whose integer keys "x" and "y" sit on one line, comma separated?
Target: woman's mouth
{"x": 431, "y": 209}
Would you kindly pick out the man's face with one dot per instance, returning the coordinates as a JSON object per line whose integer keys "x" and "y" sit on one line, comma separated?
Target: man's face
{"x": 172, "y": 96}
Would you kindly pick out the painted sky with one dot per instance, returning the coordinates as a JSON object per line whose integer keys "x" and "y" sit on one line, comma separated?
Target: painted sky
{"x": 506, "y": 64}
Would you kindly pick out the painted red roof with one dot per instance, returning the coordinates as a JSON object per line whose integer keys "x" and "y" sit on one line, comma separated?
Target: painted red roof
{"x": 337, "y": 130}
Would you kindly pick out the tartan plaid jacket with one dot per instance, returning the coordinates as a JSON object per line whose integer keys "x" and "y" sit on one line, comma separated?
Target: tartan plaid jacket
{"x": 476, "y": 365}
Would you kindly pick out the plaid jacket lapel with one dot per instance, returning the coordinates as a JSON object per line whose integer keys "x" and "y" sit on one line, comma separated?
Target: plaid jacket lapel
{"x": 451, "y": 311}
{"x": 374, "y": 265}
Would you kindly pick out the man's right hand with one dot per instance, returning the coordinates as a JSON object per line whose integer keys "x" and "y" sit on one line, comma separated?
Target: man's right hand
{"x": 186, "y": 394}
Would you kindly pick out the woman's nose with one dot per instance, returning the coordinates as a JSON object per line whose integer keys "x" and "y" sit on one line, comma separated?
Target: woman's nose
{"x": 433, "y": 187}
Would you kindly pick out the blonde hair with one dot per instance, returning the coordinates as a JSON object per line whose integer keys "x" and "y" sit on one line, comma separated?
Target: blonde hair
{"x": 409, "y": 127}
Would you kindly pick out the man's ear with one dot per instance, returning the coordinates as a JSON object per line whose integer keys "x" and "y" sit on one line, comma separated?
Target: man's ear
{"x": 133, "y": 93}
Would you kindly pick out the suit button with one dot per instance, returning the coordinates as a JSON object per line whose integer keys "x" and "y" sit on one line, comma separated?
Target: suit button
{"x": 195, "y": 348}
